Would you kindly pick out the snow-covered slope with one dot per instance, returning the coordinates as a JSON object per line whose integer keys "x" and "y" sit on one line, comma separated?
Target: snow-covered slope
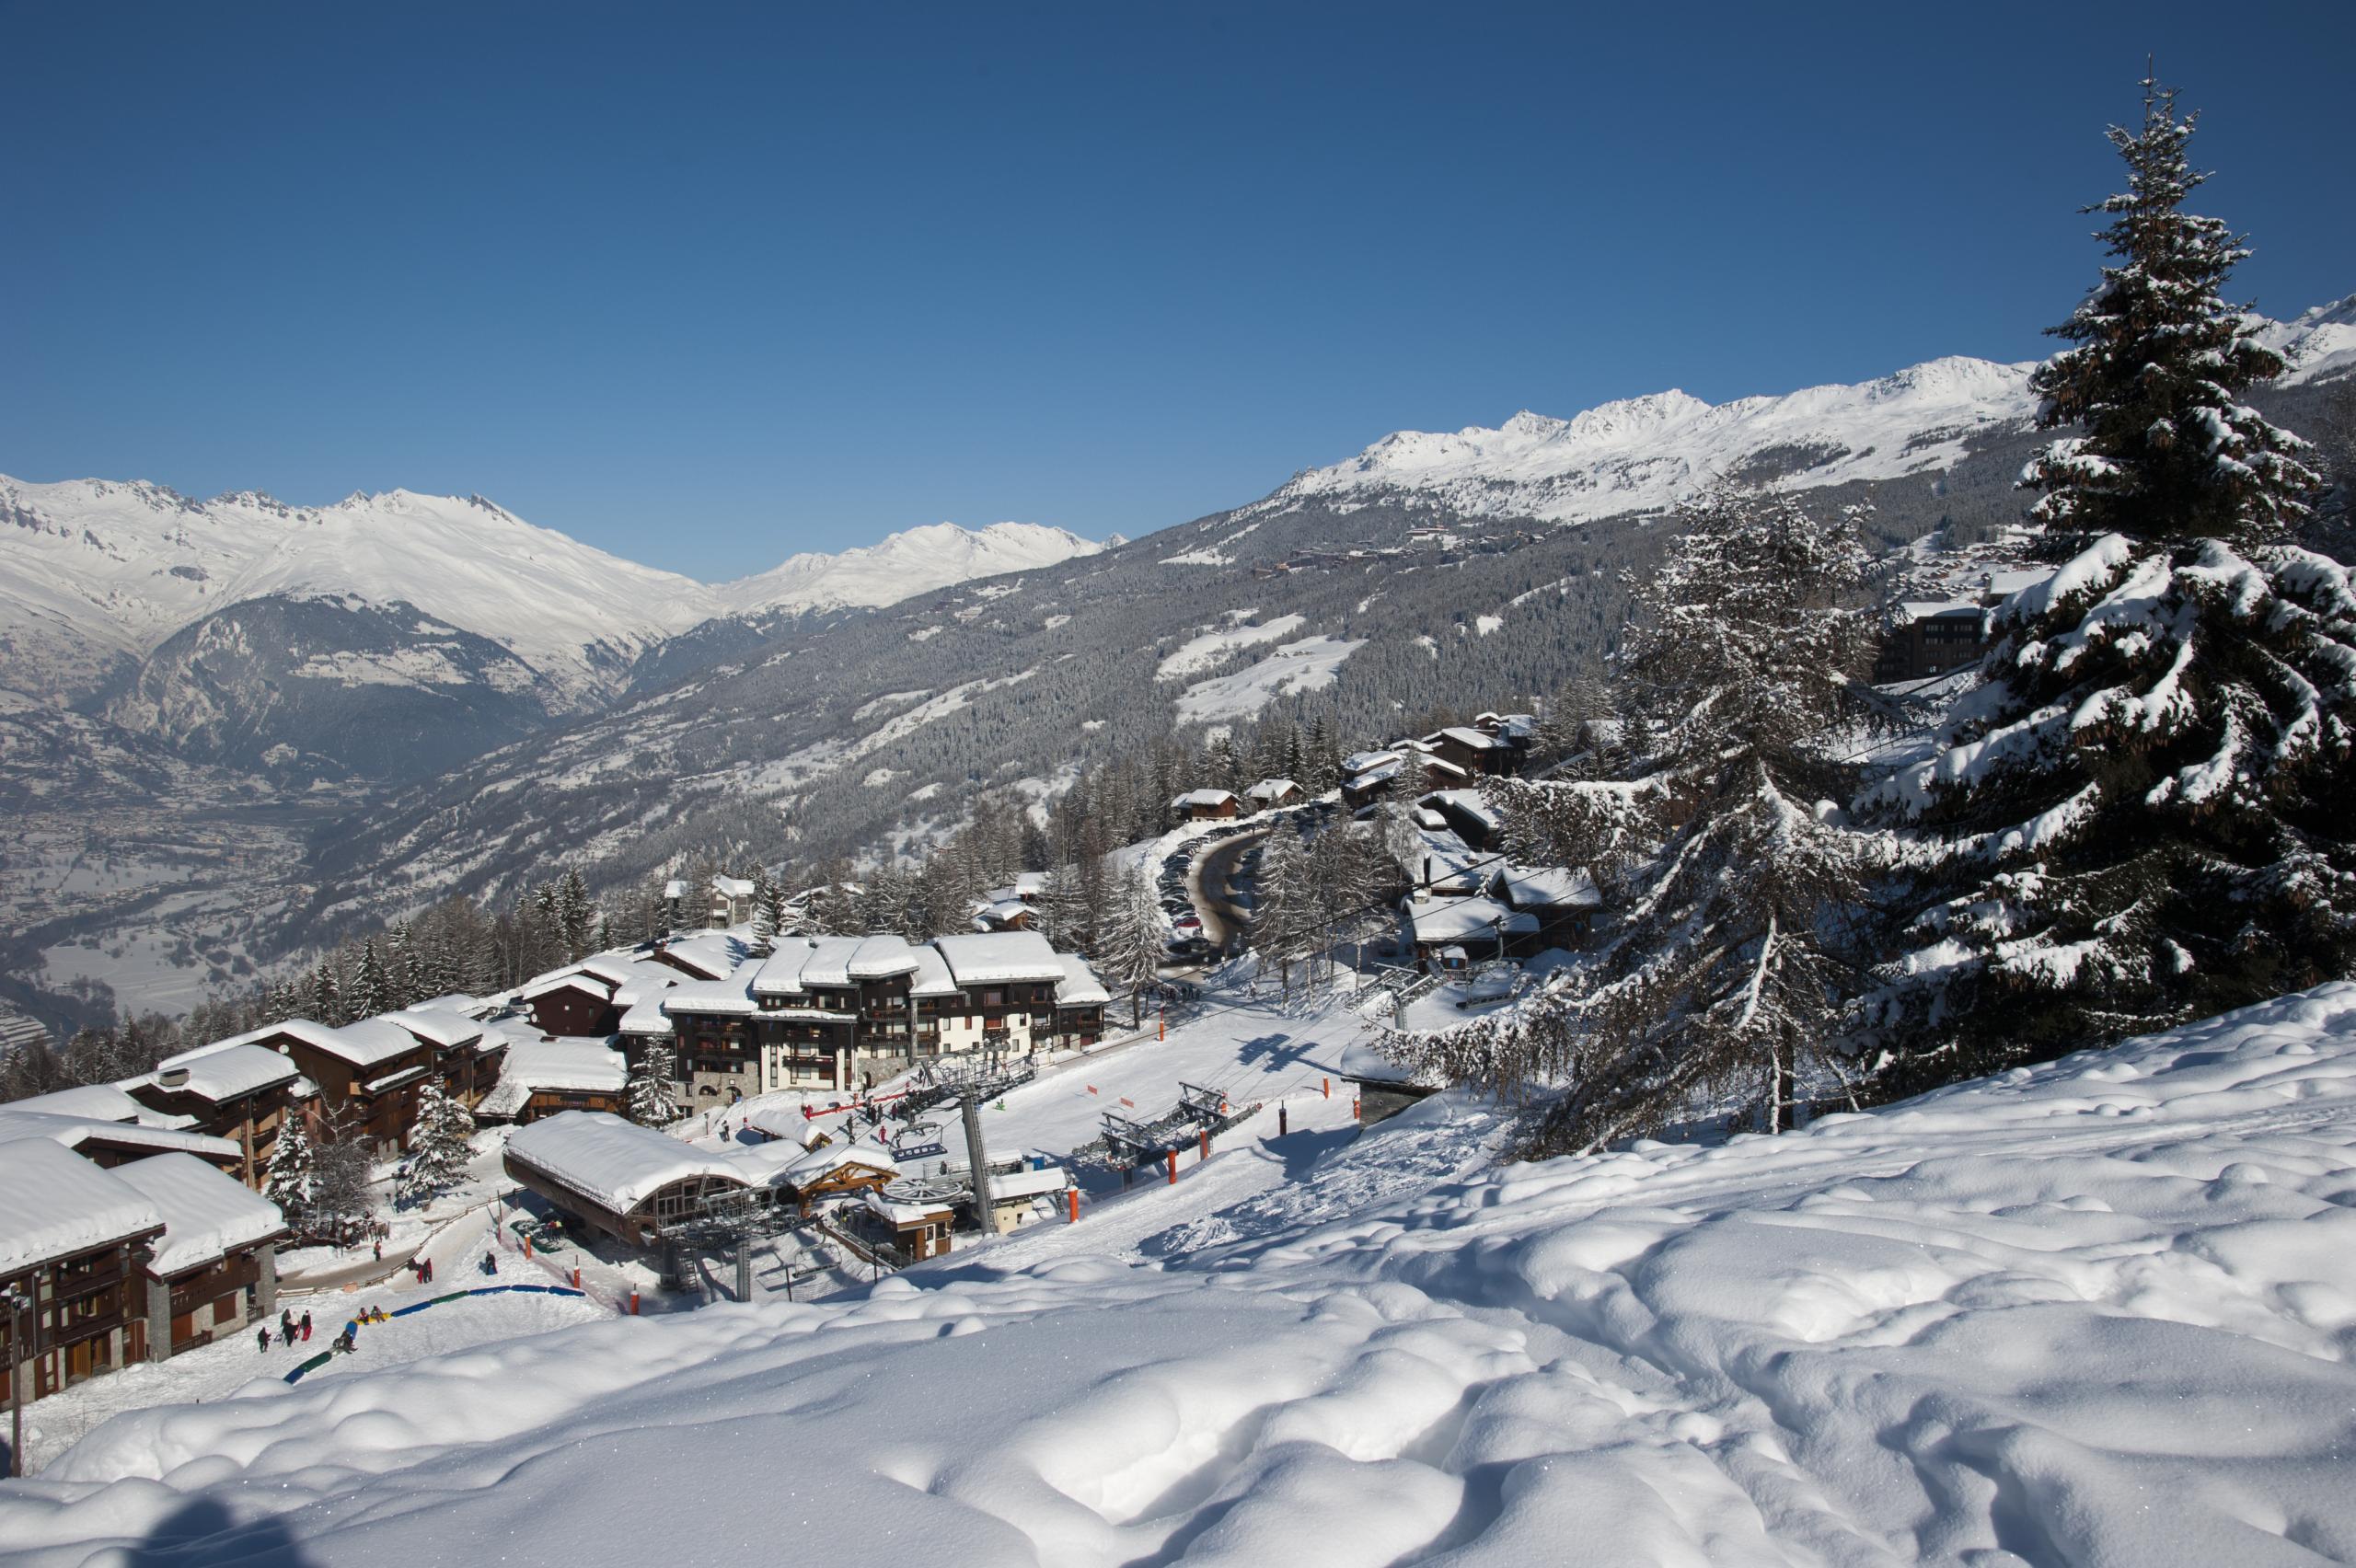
{"x": 1642, "y": 453}
{"x": 900, "y": 566}
{"x": 2097, "y": 1312}
{"x": 96, "y": 575}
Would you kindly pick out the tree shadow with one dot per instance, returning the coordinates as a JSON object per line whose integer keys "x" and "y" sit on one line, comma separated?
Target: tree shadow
{"x": 203, "y": 1534}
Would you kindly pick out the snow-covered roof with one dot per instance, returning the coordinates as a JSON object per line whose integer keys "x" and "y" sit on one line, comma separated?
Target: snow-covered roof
{"x": 1080, "y": 987}
{"x": 1361, "y": 1063}
{"x": 206, "y": 1215}
{"x": 1367, "y": 761}
{"x": 1203, "y": 798}
{"x": 881, "y": 958}
{"x": 1465, "y": 735}
{"x": 72, "y": 1132}
{"x": 732, "y": 887}
{"x": 931, "y": 977}
{"x": 1465, "y": 919}
{"x": 96, "y": 1101}
{"x": 1007, "y": 1185}
{"x": 1470, "y": 802}
{"x": 675, "y": 888}
{"x": 456, "y": 1002}
{"x": 58, "y": 1203}
{"x": 1925, "y": 610}
{"x": 438, "y": 1027}
{"x": 991, "y": 956}
{"x": 646, "y": 1017}
{"x": 369, "y": 1042}
{"x": 298, "y": 1028}
{"x": 619, "y": 1164}
{"x": 1559, "y": 887}
{"x": 782, "y": 1122}
{"x": 578, "y": 1065}
{"x": 830, "y": 961}
{"x": 570, "y": 978}
{"x": 224, "y": 1071}
{"x": 733, "y": 996}
{"x": 1029, "y": 884}
{"x": 814, "y": 1165}
{"x": 781, "y": 972}
{"x": 1377, "y": 774}
{"x": 1272, "y": 789}
{"x": 709, "y": 953}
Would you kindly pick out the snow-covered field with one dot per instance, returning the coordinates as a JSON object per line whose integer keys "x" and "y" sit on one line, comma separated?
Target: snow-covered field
{"x": 2097, "y": 1312}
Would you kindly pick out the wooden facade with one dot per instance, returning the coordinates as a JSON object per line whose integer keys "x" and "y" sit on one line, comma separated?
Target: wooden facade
{"x": 87, "y": 1315}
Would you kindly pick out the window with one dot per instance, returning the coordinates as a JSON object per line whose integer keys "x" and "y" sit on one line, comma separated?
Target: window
{"x": 993, "y": 998}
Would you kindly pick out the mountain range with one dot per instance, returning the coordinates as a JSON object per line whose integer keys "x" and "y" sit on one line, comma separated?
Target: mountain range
{"x": 453, "y": 699}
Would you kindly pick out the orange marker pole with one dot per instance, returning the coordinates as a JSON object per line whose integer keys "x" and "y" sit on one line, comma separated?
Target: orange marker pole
{"x": 1173, "y": 1167}
{"x": 633, "y": 1303}
{"x": 1357, "y": 1113}
{"x": 1206, "y": 1143}
{"x": 1329, "y": 1088}
{"x": 1072, "y": 1195}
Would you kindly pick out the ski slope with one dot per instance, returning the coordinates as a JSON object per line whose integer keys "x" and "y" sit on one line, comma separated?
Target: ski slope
{"x": 2093, "y": 1313}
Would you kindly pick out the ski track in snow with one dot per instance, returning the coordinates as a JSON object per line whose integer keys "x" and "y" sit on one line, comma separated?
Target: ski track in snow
{"x": 2098, "y": 1311}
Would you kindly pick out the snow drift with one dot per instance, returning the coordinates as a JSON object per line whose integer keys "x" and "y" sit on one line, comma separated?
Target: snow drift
{"x": 2098, "y": 1311}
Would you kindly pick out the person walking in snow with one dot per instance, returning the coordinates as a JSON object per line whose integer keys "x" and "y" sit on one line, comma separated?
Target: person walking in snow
{"x": 262, "y": 1340}
{"x": 286, "y": 1323}
{"x": 429, "y": 1270}
{"x": 380, "y": 1251}
{"x": 490, "y": 1263}
{"x": 306, "y": 1328}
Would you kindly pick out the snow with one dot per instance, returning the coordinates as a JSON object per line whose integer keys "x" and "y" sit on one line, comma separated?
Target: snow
{"x": 1200, "y": 653}
{"x": 1310, "y": 665}
{"x": 95, "y": 1103}
{"x": 1465, "y": 918}
{"x": 901, "y": 566}
{"x": 205, "y": 1213}
{"x": 1558, "y": 886}
{"x": 1009, "y": 1184}
{"x": 617, "y": 1163}
{"x": 992, "y": 956}
{"x": 1080, "y": 987}
{"x": 58, "y": 1203}
{"x": 2095, "y": 1312}
{"x": 581, "y": 1065}
{"x": 227, "y": 1071}
{"x": 72, "y": 1132}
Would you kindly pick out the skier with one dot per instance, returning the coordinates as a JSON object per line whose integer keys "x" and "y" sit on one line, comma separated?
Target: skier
{"x": 490, "y": 1263}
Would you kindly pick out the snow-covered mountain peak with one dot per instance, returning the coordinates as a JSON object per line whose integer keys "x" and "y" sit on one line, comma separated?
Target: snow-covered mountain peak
{"x": 915, "y": 561}
{"x": 2316, "y": 345}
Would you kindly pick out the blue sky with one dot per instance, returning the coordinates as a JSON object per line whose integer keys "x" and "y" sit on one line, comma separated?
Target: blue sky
{"x": 705, "y": 285}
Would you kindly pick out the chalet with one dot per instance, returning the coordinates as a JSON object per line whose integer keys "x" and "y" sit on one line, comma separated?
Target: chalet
{"x": 707, "y": 955}
{"x": 237, "y": 1090}
{"x": 1270, "y": 793}
{"x": 1080, "y": 1001}
{"x": 73, "y": 1240}
{"x": 468, "y": 1052}
{"x": 1563, "y": 901}
{"x": 731, "y": 900}
{"x": 1205, "y": 805}
{"x": 577, "y": 999}
{"x": 216, "y": 1268}
{"x": 107, "y": 1144}
{"x": 1466, "y": 815}
{"x": 540, "y": 1078}
{"x": 1004, "y": 915}
{"x": 372, "y": 1069}
{"x": 631, "y": 1182}
{"x": 718, "y": 1057}
{"x": 1369, "y": 777}
{"x": 1476, "y": 926}
{"x": 1475, "y": 751}
{"x": 1928, "y": 640}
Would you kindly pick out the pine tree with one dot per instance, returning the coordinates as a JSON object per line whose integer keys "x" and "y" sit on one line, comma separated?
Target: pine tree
{"x": 372, "y": 993}
{"x": 2140, "y": 816}
{"x": 650, "y": 1102}
{"x": 1740, "y": 942}
{"x": 576, "y": 918}
{"x": 439, "y": 1150}
{"x": 289, "y": 1179}
{"x": 325, "y": 1003}
{"x": 1288, "y": 923}
{"x": 1133, "y": 948}
{"x": 2167, "y": 449}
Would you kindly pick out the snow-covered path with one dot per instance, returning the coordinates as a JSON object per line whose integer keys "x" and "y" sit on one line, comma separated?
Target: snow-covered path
{"x": 2099, "y": 1312}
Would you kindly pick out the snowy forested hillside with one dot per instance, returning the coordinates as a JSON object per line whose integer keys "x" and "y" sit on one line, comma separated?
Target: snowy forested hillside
{"x": 2100, "y": 1311}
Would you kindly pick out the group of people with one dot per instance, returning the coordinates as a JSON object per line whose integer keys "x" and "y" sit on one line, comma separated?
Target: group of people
{"x": 423, "y": 1267}
{"x": 289, "y": 1329}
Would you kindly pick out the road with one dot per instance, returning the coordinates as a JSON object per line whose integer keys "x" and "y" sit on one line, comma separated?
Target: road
{"x": 1206, "y": 884}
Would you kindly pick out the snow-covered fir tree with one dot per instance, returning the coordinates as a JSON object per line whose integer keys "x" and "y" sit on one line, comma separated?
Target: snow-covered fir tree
{"x": 650, "y": 1102}
{"x": 2165, "y": 448}
{"x": 576, "y": 917}
{"x": 372, "y": 991}
{"x": 289, "y": 1178}
{"x": 1734, "y": 954}
{"x": 764, "y": 904}
{"x": 1289, "y": 922}
{"x": 439, "y": 1150}
{"x": 343, "y": 1196}
{"x": 2141, "y": 815}
{"x": 1131, "y": 954}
